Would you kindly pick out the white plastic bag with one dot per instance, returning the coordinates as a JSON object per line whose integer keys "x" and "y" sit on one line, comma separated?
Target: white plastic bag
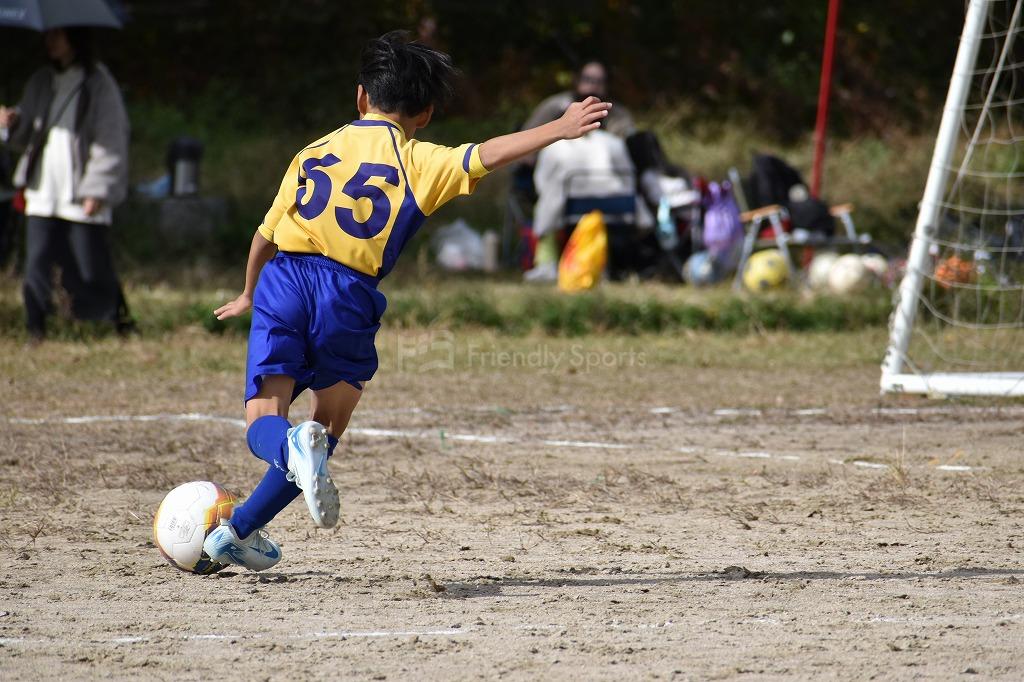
{"x": 459, "y": 247}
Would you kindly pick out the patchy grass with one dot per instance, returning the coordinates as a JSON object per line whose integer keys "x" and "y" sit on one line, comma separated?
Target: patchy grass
{"x": 189, "y": 353}
{"x": 625, "y": 310}
{"x": 515, "y": 309}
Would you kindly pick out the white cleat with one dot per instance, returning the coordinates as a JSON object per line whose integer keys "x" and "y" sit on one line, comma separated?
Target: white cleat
{"x": 256, "y": 552}
{"x": 307, "y": 468}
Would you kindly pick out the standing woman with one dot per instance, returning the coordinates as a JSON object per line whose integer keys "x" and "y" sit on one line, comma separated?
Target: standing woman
{"x": 71, "y": 123}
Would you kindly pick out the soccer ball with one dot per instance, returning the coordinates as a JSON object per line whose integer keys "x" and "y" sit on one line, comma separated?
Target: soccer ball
{"x": 849, "y": 275}
{"x": 700, "y": 269}
{"x": 765, "y": 270}
{"x": 185, "y": 517}
{"x": 877, "y": 264}
{"x": 817, "y": 273}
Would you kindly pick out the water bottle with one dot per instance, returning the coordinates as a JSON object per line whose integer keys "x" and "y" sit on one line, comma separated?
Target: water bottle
{"x": 668, "y": 238}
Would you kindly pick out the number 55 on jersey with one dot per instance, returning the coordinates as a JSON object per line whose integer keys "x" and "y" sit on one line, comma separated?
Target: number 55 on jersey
{"x": 360, "y": 193}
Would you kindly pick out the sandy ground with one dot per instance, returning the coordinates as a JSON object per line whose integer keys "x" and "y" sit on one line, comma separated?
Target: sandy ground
{"x": 676, "y": 520}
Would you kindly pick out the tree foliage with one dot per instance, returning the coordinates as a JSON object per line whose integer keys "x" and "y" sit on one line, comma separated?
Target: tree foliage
{"x": 262, "y": 62}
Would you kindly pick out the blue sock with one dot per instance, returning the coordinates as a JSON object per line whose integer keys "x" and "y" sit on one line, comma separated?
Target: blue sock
{"x": 268, "y": 440}
{"x": 274, "y": 493}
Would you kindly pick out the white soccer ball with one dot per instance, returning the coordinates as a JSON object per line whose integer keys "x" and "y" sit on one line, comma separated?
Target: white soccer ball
{"x": 877, "y": 264}
{"x": 849, "y": 275}
{"x": 821, "y": 265}
{"x": 183, "y": 520}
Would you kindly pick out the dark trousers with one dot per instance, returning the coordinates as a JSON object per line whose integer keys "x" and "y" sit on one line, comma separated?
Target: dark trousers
{"x": 6, "y": 231}
{"x": 87, "y": 272}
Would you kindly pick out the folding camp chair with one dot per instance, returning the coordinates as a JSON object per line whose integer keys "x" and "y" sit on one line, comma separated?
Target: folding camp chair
{"x": 774, "y": 216}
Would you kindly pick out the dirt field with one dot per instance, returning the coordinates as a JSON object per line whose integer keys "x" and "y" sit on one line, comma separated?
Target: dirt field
{"x": 705, "y": 508}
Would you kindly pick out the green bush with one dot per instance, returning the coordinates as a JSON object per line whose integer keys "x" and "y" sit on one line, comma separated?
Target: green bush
{"x": 514, "y": 310}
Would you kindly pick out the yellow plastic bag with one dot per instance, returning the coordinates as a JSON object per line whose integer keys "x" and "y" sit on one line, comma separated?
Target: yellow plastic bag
{"x": 585, "y": 255}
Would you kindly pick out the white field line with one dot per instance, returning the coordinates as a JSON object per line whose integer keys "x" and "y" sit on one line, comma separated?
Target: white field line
{"x": 726, "y": 412}
{"x": 356, "y": 431}
{"x": 1003, "y": 410}
{"x": 733, "y": 412}
{"x": 106, "y": 418}
{"x": 430, "y": 434}
{"x": 387, "y": 633}
{"x": 500, "y": 631}
{"x": 585, "y": 444}
{"x": 339, "y": 634}
{"x": 1006, "y": 411}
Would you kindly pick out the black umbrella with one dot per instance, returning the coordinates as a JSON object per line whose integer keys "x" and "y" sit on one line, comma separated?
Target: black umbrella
{"x": 42, "y": 15}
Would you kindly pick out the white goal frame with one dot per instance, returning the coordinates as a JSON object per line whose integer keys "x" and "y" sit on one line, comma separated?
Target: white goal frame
{"x": 896, "y": 374}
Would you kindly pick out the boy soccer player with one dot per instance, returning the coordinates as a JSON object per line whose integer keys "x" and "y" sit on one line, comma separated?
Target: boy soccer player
{"x": 347, "y": 205}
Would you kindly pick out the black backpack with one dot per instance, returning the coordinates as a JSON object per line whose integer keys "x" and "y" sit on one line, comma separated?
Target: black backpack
{"x": 771, "y": 181}
{"x": 645, "y": 152}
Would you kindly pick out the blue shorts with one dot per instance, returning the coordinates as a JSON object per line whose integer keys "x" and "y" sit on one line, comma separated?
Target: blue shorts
{"x": 315, "y": 320}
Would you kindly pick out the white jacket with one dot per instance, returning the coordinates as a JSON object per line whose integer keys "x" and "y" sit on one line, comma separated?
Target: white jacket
{"x": 99, "y": 150}
{"x": 595, "y": 165}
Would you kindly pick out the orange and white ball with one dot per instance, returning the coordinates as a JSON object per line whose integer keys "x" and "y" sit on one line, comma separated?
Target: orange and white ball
{"x": 183, "y": 520}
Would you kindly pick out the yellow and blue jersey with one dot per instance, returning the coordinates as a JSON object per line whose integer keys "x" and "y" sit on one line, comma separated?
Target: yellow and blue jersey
{"x": 358, "y": 194}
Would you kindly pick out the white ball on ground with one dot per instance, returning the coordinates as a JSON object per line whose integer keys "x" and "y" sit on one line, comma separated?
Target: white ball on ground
{"x": 185, "y": 518}
{"x": 849, "y": 275}
{"x": 876, "y": 263}
{"x": 821, "y": 265}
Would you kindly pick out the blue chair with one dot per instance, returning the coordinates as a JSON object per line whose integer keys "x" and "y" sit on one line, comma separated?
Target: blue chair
{"x": 618, "y": 209}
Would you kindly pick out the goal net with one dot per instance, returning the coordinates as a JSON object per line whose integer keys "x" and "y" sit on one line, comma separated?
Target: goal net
{"x": 958, "y": 323}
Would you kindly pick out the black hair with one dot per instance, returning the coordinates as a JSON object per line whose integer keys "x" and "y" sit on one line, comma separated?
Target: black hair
{"x": 404, "y": 76}
{"x": 81, "y": 40}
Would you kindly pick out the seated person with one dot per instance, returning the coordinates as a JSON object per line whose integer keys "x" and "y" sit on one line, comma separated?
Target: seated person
{"x": 595, "y": 165}
{"x": 591, "y": 80}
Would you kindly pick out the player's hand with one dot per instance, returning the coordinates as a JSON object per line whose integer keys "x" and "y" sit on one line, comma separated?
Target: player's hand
{"x": 234, "y": 308}
{"x": 91, "y": 206}
{"x": 582, "y": 117}
{"x": 8, "y": 116}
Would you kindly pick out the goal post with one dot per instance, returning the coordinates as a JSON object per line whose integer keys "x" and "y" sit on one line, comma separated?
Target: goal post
{"x": 957, "y": 326}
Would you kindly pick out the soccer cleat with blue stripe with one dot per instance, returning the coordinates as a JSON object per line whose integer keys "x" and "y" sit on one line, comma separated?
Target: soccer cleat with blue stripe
{"x": 307, "y": 468}
{"x": 256, "y": 552}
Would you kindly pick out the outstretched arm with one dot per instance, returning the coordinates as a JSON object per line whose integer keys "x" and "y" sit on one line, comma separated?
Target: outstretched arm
{"x": 261, "y": 251}
{"x": 580, "y": 118}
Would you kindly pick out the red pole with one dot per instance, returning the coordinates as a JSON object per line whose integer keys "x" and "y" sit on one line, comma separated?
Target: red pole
{"x": 824, "y": 88}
